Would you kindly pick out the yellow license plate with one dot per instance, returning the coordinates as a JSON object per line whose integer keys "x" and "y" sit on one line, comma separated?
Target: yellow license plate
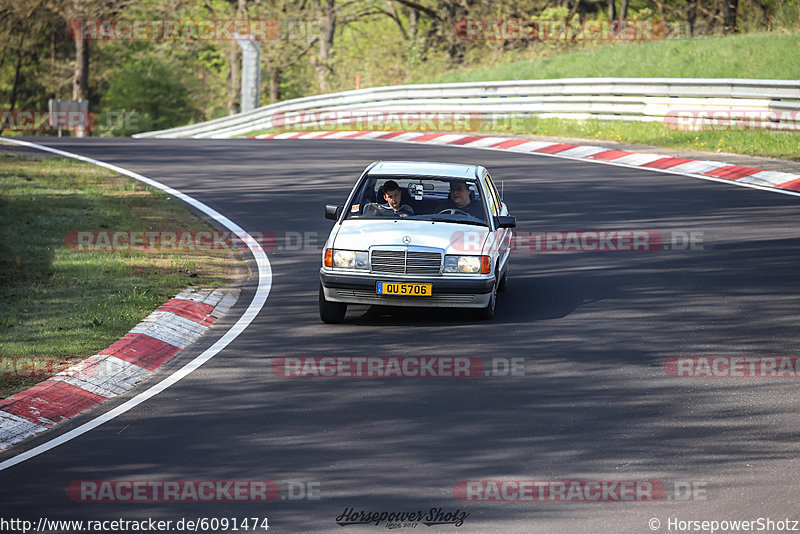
{"x": 406, "y": 290}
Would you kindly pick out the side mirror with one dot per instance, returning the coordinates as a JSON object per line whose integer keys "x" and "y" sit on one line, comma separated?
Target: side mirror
{"x": 333, "y": 212}
{"x": 506, "y": 221}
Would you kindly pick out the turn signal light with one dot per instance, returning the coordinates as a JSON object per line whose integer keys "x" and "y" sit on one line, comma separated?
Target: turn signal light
{"x": 486, "y": 264}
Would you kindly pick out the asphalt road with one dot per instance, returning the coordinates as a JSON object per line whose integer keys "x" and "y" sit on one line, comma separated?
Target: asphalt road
{"x": 594, "y": 330}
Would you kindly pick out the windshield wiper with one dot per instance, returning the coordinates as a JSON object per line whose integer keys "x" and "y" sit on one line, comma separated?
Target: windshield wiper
{"x": 458, "y": 221}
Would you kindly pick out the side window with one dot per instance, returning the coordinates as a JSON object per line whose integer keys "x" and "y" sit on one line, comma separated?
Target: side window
{"x": 362, "y": 198}
{"x": 493, "y": 198}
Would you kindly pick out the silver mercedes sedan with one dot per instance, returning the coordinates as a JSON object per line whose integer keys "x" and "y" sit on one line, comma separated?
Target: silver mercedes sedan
{"x": 417, "y": 234}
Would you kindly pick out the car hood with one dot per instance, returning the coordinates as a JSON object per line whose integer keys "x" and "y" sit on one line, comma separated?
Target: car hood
{"x": 451, "y": 238}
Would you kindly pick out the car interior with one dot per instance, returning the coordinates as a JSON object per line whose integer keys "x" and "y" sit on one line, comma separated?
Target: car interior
{"x": 421, "y": 195}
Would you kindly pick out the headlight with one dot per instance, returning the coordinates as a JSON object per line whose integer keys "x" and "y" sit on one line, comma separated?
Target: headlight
{"x": 351, "y": 259}
{"x": 462, "y": 264}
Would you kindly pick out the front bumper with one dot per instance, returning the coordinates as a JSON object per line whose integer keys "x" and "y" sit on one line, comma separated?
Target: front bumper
{"x": 448, "y": 292}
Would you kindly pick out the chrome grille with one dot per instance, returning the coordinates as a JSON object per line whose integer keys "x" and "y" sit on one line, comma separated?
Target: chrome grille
{"x": 406, "y": 262}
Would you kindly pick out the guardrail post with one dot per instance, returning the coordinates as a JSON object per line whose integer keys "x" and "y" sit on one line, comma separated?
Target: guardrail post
{"x": 251, "y": 72}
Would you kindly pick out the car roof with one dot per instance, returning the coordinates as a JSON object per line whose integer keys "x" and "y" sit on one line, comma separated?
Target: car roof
{"x": 424, "y": 168}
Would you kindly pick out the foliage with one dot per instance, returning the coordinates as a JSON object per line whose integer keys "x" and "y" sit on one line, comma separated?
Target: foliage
{"x": 383, "y": 42}
{"x": 150, "y": 87}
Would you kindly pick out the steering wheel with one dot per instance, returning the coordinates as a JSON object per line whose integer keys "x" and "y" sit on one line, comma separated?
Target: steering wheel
{"x": 454, "y": 211}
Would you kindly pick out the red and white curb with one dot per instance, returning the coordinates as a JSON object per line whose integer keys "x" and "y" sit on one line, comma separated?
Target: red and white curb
{"x": 782, "y": 182}
{"x": 116, "y": 369}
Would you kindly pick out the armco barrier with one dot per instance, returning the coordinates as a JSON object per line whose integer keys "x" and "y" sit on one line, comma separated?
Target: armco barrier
{"x": 638, "y": 99}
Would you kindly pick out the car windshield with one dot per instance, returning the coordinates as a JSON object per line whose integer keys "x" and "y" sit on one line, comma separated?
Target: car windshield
{"x": 419, "y": 198}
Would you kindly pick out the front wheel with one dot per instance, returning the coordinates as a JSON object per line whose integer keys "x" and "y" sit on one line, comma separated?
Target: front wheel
{"x": 330, "y": 312}
{"x": 503, "y": 285}
{"x": 488, "y": 312}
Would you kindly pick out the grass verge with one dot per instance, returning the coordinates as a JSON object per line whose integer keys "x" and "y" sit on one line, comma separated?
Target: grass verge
{"x": 755, "y": 55}
{"x": 59, "y": 304}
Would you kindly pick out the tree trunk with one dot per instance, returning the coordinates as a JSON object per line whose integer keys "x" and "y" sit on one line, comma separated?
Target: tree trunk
{"x": 574, "y": 9}
{"x": 691, "y": 15}
{"x": 234, "y": 77}
{"x": 17, "y": 71}
{"x": 326, "y": 16}
{"x": 234, "y": 86}
{"x": 765, "y": 19}
{"x": 612, "y": 10}
{"x": 412, "y": 23}
{"x": 80, "y": 83}
{"x": 729, "y": 8}
{"x": 274, "y": 85}
{"x": 453, "y": 13}
{"x": 660, "y": 7}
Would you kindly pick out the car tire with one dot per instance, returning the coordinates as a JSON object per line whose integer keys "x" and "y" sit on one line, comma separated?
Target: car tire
{"x": 503, "y": 285}
{"x": 488, "y": 312}
{"x": 330, "y": 312}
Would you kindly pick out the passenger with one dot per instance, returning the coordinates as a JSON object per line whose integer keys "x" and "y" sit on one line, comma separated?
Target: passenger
{"x": 393, "y": 207}
{"x": 459, "y": 199}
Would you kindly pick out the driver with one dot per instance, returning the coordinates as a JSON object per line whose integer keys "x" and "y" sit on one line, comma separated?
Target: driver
{"x": 459, "y": 200}
{"x": 393, "y": 207}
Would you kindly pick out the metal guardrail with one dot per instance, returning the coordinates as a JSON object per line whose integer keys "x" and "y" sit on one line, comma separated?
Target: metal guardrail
{"x": 639, "y": 99}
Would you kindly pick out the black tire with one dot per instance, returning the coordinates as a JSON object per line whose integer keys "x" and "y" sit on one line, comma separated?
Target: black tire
{"x": 330, "y": 312}
{"x": 488, "y": 312}
{"x": 503, "y": 285}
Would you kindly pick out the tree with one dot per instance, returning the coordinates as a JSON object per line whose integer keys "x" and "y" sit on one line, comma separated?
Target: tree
{"x": 729, "y": 8}
{"x": 152, "y": 88}
{"x": 326, "y": 18}
{"x": 444, "y": 15}
{"x": 292, "y": 42}
{"x": 73, "y": 12}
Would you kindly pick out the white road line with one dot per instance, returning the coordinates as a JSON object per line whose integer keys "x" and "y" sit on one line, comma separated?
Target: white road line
{"x": 260, "y": 297}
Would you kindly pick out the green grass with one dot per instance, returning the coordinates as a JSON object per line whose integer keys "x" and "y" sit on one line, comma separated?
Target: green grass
{"x": 755, "y": 55}
{"x": 58, "y": 304}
